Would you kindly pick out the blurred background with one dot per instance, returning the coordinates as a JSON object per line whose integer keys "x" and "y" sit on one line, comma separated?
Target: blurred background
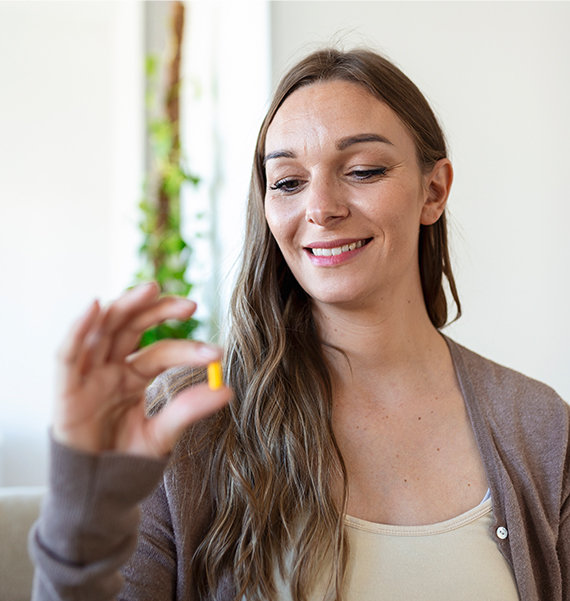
{"x": 75, "y": 126}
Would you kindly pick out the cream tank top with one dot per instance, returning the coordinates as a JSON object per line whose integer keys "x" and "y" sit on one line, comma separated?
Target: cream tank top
{"x": 454, "y": 560}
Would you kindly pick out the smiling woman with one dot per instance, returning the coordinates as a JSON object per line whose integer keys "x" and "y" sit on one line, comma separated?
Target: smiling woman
{"x": 362, "y": 450}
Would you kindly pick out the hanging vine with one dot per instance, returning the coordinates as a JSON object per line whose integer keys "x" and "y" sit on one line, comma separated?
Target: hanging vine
{"x": 164, "y": 252}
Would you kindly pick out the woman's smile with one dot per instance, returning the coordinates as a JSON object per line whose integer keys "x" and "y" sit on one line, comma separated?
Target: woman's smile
{"x": 334, "y": 252}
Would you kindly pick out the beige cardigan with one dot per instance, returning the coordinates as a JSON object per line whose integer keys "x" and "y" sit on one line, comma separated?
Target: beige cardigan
{"x": 87, "y": 531}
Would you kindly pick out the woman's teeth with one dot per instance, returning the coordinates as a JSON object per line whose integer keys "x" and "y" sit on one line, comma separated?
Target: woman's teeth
{"x": 337, "y": 250}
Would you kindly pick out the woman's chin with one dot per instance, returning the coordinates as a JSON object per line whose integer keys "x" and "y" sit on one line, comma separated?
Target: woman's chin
{"x": 344, "y": 299}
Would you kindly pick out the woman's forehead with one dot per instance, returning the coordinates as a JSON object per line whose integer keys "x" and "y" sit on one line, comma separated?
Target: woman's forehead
{"x": 326, "y": 112}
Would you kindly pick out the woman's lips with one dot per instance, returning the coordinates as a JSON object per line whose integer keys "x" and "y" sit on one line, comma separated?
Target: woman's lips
{"x": 334, "y": 252}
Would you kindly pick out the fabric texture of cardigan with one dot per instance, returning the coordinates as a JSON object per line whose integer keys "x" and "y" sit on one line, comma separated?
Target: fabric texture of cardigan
{"x": 87, "y": 533}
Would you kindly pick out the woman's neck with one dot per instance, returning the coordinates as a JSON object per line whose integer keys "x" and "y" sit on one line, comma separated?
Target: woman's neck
{"x": 373, "y": 349}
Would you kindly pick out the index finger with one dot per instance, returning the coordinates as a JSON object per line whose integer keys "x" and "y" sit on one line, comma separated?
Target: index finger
{"x": 71, "y": 345}
{"x": 128, "y": 305}
{"x": 114, "y": 317}
{"x": 164, "y": 354}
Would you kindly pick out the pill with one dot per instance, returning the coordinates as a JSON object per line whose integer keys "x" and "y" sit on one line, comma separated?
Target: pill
{"x": 215, "y": 375}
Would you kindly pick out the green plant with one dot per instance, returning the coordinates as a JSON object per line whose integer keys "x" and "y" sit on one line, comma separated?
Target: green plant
{"x": 164, "y": 252}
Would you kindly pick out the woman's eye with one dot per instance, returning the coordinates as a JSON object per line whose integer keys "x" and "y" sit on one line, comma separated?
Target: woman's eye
{"x": 286, "y": 185}
{"x": 364, "y": 174}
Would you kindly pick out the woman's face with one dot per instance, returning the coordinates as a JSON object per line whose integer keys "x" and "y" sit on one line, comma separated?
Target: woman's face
{"x": 345, "y": 194}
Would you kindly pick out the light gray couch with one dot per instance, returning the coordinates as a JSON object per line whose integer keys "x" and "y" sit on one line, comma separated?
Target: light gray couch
{"x": 19, "y": 508}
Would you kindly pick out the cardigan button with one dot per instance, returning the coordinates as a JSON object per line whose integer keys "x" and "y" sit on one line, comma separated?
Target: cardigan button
{"x": 502, "y": 532}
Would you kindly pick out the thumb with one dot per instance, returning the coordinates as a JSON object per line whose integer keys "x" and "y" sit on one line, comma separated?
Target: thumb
{"x": 188, "y": 407}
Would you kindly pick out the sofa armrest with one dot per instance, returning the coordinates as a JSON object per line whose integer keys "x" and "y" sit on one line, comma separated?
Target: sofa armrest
{"x": 19, "y": 509}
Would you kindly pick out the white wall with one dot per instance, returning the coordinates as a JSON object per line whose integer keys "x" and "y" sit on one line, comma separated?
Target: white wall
{"x": 497, "y": 75}
{"x": 70, "y": 176}
{"x": 71, "y": 171}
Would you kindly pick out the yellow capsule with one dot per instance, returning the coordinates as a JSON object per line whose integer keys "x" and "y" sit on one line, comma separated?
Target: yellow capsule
{"x": 215, "y": 375}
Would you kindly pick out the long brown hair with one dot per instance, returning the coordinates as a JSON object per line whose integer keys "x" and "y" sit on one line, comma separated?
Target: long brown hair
{"x": 273, "y": 458}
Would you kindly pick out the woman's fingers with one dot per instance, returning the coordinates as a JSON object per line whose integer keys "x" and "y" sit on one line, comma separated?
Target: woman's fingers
{"x": 71, "y": 346}
{"x": 115, "y": 317}
{"x": 160, "y": 356}
{"x": 168, "y": 307}
{"x": 101, "y": 400}
{"x": 130, "y": 304}
{"x": 192, "y": 404}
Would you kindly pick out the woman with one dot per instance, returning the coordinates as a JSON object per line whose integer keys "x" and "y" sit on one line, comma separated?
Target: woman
{"x": 363, "y": 455}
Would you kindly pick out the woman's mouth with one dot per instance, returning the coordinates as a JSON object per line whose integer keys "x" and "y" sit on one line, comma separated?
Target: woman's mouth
{"x": 334, "y": 253}
{"x": 337, "y": 250}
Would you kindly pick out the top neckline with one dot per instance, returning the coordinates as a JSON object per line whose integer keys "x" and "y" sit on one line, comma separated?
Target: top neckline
{"x": 449, "y": 525}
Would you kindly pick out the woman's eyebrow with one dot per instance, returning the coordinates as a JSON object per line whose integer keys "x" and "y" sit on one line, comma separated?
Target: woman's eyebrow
{"x": 278, "y": 154}
{"x": 344, "y": 143}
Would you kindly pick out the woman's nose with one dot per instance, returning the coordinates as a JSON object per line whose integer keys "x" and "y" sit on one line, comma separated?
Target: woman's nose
{"x": 325, "y": 203}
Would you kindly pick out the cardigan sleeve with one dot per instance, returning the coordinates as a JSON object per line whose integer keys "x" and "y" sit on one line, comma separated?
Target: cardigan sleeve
{"x": 87, "y": 528}
{"x": 150, "y": 574}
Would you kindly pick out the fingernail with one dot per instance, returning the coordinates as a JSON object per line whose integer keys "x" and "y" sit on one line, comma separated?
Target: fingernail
{"x": 140, "y": 288}
{"x": 208, "y": 352}
{"x": 186, "y": 302}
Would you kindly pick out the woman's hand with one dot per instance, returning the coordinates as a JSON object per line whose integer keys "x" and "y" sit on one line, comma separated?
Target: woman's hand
{"x": 101, "y": 382}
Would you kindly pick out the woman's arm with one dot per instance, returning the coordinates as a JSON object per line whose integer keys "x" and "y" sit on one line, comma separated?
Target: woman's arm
{"x": 107, "y": 455}
{"x": 88, "y": 525}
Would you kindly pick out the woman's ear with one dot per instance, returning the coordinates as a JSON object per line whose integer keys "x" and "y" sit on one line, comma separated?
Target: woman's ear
{"x": 437, "y": 186}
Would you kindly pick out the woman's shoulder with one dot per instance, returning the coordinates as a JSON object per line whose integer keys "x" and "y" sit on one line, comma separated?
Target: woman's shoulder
{"x": 505, "y": 391}
{"x": 522, "y": 426}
